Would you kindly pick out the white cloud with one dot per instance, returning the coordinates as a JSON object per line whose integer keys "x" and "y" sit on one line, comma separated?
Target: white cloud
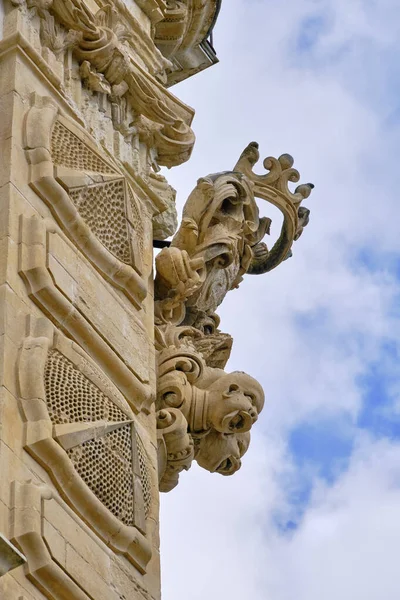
{"x": 330, "y": 109}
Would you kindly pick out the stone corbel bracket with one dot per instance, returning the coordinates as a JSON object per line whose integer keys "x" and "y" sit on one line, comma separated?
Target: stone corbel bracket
{"x": 178, "y": 371}
{"x": 41, "y": 434}
{"x": 175, "y": 447}
{"x": 204, "y": 414}
{"x": 60, "y": 174}
{"x": 35, "y": 268}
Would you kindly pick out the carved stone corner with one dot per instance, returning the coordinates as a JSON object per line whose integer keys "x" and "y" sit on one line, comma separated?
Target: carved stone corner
{"x": 10, "y": 556}
{"x": 52, "y": 371}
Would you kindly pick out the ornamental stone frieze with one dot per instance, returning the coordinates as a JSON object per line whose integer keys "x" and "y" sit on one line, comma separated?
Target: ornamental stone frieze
{"x": 204, "y": 413}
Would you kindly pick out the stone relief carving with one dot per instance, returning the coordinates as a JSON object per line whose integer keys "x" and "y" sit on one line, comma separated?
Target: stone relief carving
{"x": 89, "y": 196}
{"x": 28, "y": 532}
{"x": 220, "y": 239}
{"x": 182, "y": 36}
{"x": 99, "y": 43}
{"x": 203, "y": 413}
{"x": 81, "y": 429}
{"x": 67, "y": 291}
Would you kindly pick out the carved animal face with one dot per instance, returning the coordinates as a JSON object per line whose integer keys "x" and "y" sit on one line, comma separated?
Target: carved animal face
{"x": 221, "y": 453}
{"x": 235, "y": 401}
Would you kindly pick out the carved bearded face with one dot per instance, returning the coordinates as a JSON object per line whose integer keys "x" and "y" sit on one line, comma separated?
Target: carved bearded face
{"x": 221, "y": 453}
{"x": 235, "y": 401}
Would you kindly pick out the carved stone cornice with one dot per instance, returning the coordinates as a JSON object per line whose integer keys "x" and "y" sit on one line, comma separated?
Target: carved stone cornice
{"x": 154, "y": 9}
{"x": 182, "y": 36}
{"x": 115, "y": 61}
{"x": 101, "y": 45}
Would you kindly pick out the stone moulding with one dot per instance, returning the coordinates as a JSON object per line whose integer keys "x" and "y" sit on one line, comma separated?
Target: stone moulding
{"x": 101, "y": 43}
{"x": 51, "y": 183}
{"x": 43, "y": 290}
{"x": 10, "y": 557}
{"x": 42, "y": 569}
{"x": 40, "y": 442}
{"x": 182, "y": 37}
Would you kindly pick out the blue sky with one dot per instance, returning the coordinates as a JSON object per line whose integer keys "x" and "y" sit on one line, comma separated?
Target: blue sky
{"x": 315, "y": 510}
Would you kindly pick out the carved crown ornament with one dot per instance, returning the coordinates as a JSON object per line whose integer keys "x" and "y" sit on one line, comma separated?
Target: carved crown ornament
{"x": 203, "y": 412}
{"x": 104, "y": 48}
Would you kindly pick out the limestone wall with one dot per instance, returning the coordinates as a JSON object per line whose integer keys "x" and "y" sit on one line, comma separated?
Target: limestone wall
{"x": 85, "y": 121}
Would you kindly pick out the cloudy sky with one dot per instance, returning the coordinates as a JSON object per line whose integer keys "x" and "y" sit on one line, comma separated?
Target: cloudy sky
{"x": 314, "y": 513}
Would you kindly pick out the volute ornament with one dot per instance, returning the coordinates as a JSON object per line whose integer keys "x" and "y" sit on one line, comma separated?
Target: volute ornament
{"x": 108, "y": 66}
{"x": 203, "y": 414}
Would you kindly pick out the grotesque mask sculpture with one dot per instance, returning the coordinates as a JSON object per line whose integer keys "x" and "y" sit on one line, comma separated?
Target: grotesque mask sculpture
{"x": 204, "y": 413}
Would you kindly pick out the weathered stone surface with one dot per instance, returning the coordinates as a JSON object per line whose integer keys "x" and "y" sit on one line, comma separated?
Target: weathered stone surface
{"x": 111, "y": 379}
{"x": 204, "y": 413}
{"x": 10, "y": 556}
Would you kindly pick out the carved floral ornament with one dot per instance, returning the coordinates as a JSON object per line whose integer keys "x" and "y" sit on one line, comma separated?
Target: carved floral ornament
{"x": 204, "y": 413}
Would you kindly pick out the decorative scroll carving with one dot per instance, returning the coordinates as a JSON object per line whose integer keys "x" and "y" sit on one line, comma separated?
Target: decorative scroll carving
{"x": 218, "y": 242}
{"x": 81, "y": 429}
{"x": 170, "y": 31}
{"x": 88, "y": 195}
{"x": 203, "y": 414}
{"x": 108, "y": 66}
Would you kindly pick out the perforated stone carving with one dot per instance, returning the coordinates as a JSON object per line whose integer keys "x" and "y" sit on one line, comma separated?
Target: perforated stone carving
{"x": 102, "y": 207}
{"x": 67, "y": 150}
{"x": 73, "y": 304}
{"x": 82, "y": 430}
{"x": 71, "y": 397}
{"x": 105, "y": 463}
{"x": 89, "y": 196}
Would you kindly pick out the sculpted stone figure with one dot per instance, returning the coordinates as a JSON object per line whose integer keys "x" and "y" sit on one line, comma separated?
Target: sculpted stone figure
{"x": 219, "y": 240}
{"x": 203, "y": 414}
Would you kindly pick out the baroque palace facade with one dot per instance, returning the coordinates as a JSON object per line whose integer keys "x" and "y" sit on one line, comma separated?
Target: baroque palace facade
{"x": 112, "y": 377}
